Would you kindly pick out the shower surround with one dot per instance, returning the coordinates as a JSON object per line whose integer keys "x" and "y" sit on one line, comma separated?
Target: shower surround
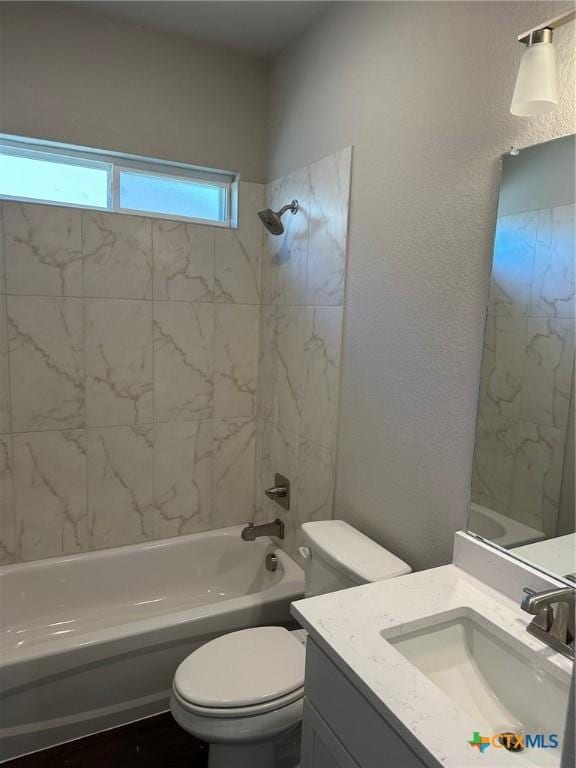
{"x": 134, "y": 401}
{"x": 129, "y": 373}
{"x": 301, "y": 322}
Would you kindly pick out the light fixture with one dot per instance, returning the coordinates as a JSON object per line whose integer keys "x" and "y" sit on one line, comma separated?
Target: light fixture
{"x": 536, "y": 92}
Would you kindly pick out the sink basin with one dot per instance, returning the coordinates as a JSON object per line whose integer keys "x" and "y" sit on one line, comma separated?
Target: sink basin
{"x": 500, "y": 683}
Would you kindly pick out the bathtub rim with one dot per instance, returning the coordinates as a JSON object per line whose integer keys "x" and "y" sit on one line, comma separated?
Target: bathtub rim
{"x": 162, "y": 628}
{"x": 232, "y": 531}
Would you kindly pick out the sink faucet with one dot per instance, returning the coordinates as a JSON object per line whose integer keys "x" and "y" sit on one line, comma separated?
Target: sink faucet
{"x": 252, "y": 532}
{"x": 555, "y": 627}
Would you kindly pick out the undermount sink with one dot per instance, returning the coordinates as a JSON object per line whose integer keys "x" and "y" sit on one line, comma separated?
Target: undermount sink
{"x": 499, "y": 683}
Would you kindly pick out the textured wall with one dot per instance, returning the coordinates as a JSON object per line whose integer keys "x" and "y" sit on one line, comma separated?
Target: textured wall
{"x": 68, "y": 74}
{"x": 422, "y": 92}
{"x": 303, "y": 281}
{"x": 128, "y": 372}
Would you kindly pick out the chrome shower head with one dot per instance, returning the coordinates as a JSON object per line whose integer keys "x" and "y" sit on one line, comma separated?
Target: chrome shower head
{"x": 272, "y": 220}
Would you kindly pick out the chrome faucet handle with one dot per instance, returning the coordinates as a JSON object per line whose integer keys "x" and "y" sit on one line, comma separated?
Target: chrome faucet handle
{"x": 544, "y": 613}
{"x": 553, "y": 627}
{"x": 534, "y": 601}
{"x": 276, "y": 492}
{"x": 280, "y": 491}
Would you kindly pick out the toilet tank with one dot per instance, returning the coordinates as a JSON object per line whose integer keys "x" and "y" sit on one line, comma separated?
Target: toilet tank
{"x": 337, "y": 556}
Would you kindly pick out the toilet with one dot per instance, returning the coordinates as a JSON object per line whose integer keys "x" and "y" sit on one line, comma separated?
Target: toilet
{"x": 243, "y": 692}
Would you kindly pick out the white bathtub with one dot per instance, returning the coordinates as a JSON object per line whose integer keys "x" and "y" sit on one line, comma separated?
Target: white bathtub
{"x": 92, "y": 641}
{"x": 499, "y": 528}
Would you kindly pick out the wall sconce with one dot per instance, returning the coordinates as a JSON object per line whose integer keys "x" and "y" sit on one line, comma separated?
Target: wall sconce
{"x": 535, "y": 92}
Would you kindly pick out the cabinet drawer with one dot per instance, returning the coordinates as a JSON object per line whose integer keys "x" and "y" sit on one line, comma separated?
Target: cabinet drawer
{"x": 362, "y": 730}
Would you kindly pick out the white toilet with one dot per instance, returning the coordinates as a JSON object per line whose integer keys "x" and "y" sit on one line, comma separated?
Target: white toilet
{"x": 243, "y": 692}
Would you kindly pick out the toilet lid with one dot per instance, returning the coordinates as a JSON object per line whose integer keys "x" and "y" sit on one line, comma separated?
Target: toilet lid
{"x": 242, "y": 668}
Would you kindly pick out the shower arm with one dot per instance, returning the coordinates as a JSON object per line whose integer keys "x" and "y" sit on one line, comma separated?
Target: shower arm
{"x": 292, "y": 207}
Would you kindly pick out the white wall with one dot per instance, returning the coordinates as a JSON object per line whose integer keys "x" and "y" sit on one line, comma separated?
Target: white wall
{"x": 68, "y": 74}
{"x": 422, "y": 91}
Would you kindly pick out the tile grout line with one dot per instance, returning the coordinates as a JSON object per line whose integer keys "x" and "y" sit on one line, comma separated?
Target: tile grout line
{"x": 154, "y": 510}
{"x": 89, "y": 521}
{"x": 212, "y": 437}
{"x": 17, "y": 548}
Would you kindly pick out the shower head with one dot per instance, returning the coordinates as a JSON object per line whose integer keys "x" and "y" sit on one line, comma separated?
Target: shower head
{"x": 272, "y": 220}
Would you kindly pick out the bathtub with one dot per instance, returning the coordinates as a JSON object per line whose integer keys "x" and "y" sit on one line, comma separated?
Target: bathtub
{"x": 500, "y": 529}
{"x": 92, "y": 641}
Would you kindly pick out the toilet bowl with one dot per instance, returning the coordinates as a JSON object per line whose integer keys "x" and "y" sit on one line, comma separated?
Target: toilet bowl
{"x": 243, "y": 692}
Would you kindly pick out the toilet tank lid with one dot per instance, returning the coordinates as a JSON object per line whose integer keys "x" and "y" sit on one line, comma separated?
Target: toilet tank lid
{"x": 353, "y": 553}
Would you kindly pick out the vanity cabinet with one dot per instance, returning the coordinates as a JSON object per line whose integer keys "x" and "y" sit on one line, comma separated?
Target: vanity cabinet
{"x": 320, "y": 746}
{"x": 341, "y": 729}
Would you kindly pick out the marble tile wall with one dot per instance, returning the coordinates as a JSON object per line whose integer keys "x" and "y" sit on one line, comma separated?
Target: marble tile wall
{"x": 154, "y": 375}
{"x": 128, "y": 376}
{"x": 303, "y": 282}
{"x": 528, "y": 368}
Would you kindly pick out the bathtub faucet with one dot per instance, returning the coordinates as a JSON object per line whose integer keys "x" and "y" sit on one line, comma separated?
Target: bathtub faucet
{"x": 252, "y": 532}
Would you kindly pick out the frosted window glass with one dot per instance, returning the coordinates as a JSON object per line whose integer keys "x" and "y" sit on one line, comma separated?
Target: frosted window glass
{"x": 54, "y": 181}
{"x": 172, "y": 197}
{"x": 47, "y": 172}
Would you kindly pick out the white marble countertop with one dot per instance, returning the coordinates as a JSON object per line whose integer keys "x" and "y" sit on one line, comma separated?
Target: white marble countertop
{"x": 347, "y": 625}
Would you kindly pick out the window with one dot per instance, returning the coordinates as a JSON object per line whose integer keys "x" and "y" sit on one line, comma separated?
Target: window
{"x": 46, "y": 172}
{"x": 141, "y": 191}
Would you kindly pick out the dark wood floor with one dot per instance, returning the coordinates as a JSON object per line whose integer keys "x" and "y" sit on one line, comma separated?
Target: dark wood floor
{"x": 157, "y": 742}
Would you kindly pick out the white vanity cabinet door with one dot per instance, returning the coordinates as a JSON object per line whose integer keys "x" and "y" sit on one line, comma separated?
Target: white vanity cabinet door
{"x": 364, "y": 735}
{"x": 320, "y": 747}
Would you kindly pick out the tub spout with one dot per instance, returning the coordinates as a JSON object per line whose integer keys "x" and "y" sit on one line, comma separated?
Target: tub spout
{"x": 252, "y": 532}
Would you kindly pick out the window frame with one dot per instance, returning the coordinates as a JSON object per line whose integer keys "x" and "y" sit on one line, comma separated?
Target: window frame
{"x": 116, "y": 162}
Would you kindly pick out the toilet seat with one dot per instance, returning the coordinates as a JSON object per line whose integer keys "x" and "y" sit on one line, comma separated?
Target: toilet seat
{"x": 243, "y": 673}
{"x": 236, "y": 728}
{"x": 256, "y": 709}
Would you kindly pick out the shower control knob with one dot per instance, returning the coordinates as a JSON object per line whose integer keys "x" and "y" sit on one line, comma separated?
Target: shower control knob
{"x": 277, "y": 492}
{"x": 280, "y": 491}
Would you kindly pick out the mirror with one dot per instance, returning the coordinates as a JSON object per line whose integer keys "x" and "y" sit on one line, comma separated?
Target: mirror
{"x": 522, "y": 495}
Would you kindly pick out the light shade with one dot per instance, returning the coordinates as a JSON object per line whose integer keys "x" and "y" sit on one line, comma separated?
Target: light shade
{"x": 535, "y": 92}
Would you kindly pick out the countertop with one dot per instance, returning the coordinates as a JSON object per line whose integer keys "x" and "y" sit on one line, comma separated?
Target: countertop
{"x": 348, "y": 627}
